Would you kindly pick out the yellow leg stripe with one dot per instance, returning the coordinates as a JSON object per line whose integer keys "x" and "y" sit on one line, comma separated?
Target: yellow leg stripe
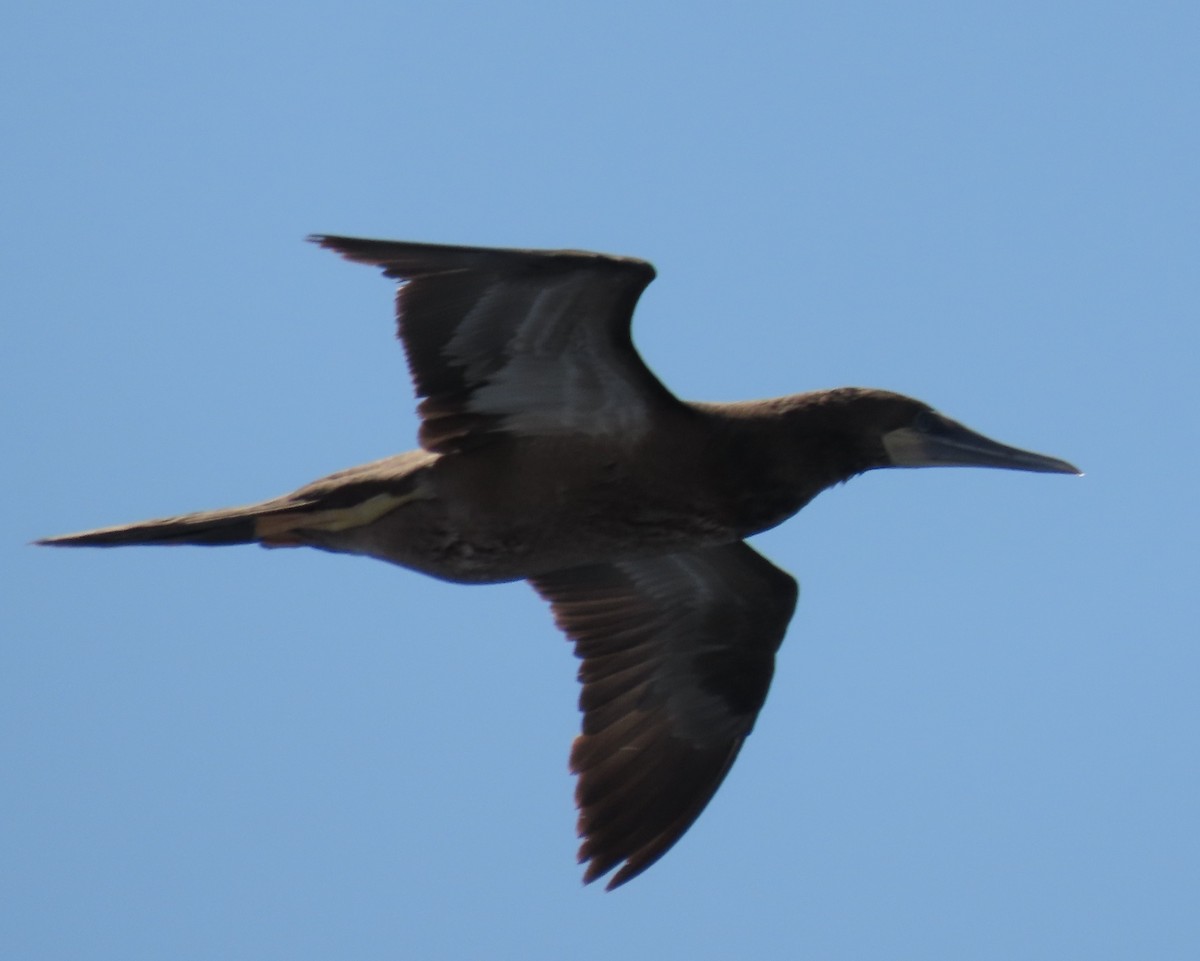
{"x": 277, "y": 527}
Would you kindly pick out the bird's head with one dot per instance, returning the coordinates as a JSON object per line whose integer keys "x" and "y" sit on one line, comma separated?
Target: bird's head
{"x": 898, "y": 431}
{"x": 854, "y": 429}
{"x": 925, "y": 438}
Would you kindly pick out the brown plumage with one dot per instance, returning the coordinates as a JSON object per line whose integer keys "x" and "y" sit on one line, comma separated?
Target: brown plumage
{"x": 549, "y": 452}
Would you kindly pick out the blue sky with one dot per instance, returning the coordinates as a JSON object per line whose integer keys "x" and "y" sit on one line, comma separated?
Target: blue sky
{"x": 981, "y": 741}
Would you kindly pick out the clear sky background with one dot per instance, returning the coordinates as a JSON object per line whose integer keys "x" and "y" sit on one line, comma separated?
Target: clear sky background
{"x": 981, "y": 741}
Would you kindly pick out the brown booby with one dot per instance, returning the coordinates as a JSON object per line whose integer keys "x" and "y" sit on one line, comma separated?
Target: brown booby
{"x": 549, "y": 452}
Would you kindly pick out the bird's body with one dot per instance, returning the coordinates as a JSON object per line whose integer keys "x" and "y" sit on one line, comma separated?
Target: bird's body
{"x": 474, "y": 516}
{"x": 549, "y": 452}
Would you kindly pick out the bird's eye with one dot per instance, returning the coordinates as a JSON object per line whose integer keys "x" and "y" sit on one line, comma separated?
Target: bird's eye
{"x": 925, "y": 421}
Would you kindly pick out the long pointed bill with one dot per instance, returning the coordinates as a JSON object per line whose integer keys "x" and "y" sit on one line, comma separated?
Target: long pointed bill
{"x": 940, "y": 442}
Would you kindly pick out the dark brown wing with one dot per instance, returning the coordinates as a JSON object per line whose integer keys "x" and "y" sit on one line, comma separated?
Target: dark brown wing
{"x": 678, "y": 652}
{"x": 523, "y": 342}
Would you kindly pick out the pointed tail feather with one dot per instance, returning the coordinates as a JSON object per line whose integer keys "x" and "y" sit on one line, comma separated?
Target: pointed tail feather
{"x": 234, "y": 525}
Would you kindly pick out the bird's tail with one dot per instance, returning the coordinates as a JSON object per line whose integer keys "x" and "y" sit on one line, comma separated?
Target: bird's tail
{"x": 232, "y": 525}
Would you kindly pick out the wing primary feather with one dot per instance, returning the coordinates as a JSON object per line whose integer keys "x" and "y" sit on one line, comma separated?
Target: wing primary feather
{"x": 677, "y": 653}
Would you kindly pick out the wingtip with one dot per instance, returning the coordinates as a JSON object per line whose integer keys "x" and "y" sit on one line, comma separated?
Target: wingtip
{"x": 339, "y": 242}
{"x": 626, "y": 873}
{"x": 626, "y": 868}
{"x": 590, "y": 877}
{"x": 618, "y": 880}
{"x": 357, "y": 249}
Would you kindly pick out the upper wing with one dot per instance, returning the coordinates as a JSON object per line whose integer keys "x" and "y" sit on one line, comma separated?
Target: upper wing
{"x": 678, "y": 652}
{"x": 522, "y": 342}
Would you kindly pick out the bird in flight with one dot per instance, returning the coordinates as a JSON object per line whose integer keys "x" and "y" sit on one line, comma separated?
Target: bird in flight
{"x": 550, "y": 453}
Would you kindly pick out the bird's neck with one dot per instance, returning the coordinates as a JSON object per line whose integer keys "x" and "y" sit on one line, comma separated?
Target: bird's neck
{"x": 781, "y": 453}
